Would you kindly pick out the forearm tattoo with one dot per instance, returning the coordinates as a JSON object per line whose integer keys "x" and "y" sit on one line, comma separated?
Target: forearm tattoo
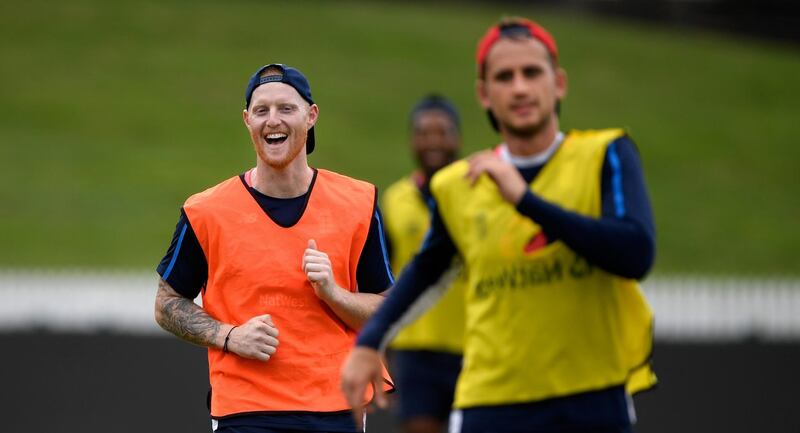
{"x": 184, "y": 318}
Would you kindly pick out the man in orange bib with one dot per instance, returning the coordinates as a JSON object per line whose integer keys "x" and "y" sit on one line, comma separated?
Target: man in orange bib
{"x": 290, "y": 261}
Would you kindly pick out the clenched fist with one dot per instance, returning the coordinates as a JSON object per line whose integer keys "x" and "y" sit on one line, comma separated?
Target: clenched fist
{"x": 256, "y": 339}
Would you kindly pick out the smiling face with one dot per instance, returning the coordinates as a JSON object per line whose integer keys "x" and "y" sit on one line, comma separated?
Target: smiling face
{"x": 521, "y": 86}
{"x": 278, "y": 120}
{"x": 435, "y": 140}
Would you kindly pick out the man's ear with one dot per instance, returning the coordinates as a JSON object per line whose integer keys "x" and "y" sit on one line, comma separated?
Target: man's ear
{"x": 313, "y": 115}
{"x": 561, "y": 83}
{"x": 481, "y": 92}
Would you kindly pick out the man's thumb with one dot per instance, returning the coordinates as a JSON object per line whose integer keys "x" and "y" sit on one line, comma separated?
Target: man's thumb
{"x": 380, "y": 395}
{"x": 312, "y": 244}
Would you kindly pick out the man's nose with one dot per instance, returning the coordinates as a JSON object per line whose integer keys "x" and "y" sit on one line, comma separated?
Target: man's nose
{"x": 519, "y": 84}
{"x": 273, "y": 119}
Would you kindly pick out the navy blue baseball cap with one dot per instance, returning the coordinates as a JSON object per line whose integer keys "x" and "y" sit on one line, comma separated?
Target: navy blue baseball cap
{"x": 290, "y": 76}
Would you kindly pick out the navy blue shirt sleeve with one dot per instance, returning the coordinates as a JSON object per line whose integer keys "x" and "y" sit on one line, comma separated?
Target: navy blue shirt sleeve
{"x": 622, "y": 240}
{"x": 424, "y": 270}
{"x": 374, "y": 274}
{"x": 389, "y": 247}
{"x": 184, "y": 267}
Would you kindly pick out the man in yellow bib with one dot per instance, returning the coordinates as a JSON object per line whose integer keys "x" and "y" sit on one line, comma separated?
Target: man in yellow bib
{"x": 426, "y": 354}
{"x": 554, "y": 230}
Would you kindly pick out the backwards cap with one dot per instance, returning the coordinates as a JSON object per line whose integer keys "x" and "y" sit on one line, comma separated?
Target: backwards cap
{"x": 290, "y": 76}
{"x": 513, "y": 28}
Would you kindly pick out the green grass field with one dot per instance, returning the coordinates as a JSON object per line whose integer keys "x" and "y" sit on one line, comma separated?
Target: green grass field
{"x": 112, "y": 113}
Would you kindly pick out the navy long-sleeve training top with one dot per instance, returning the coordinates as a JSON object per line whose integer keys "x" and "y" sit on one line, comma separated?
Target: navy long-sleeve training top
{"x": 621, "y": 241}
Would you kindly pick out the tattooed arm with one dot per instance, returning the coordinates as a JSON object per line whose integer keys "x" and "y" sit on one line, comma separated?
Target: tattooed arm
{"x": 255, "y": 339}
{"x": 187, "y": 320}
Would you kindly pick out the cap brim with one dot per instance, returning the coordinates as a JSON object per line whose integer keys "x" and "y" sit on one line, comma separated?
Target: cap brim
{"x": 492, "y": 120}
{"x": 310, "y": 141}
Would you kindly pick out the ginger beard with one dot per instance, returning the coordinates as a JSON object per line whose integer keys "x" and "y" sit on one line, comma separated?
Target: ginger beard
{"x": 275, "y": 156}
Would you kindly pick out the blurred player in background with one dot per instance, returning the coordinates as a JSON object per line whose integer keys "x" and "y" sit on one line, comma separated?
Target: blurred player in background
{"x": 427, "y": 353}
{"x": 281, "y": 253}
{"x": 554, "y": 229}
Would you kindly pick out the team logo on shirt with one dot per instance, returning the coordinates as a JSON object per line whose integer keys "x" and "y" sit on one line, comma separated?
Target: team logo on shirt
{"x": 527, "y": 274}
{"x": 537, "y": 242}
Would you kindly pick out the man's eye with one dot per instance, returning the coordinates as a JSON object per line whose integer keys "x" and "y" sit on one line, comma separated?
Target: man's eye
{"x": 504, "y": 76}
{"x": 532, "y": 72}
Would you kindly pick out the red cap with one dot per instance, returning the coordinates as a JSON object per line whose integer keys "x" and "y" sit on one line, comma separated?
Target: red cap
{"x": 512, "y": 27}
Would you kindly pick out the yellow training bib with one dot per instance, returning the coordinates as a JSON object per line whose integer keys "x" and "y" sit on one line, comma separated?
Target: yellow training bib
{"x": 541, "y": 322}
{"x": 407, "y": 218}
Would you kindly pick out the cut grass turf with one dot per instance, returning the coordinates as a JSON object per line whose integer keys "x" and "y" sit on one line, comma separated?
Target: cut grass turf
{"x": 112, "y": 113}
